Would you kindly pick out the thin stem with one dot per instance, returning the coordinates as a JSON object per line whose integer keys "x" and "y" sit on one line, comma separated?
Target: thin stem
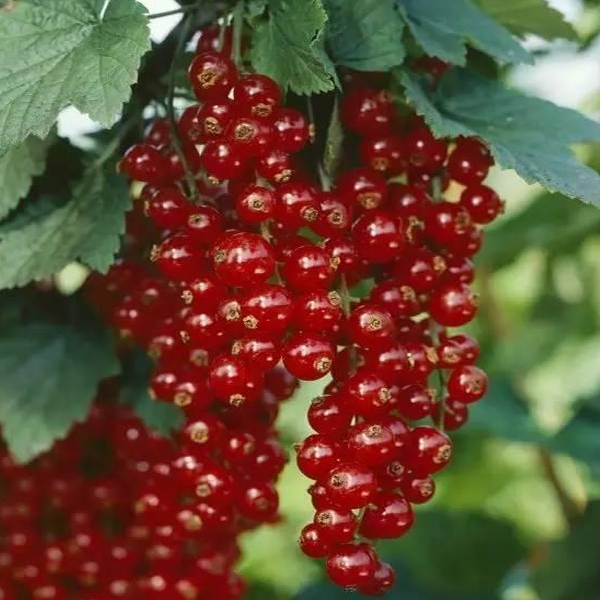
{"x": 175, "y": 11}
{"x": 238, "y": 30}
{"x": 346, "y": 300}
{"x": 189, "y": 176}
{"x": 569, "y": 507}
{"x": 114, "y": 144}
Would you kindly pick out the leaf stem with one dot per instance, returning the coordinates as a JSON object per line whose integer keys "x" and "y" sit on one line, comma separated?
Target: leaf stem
{"x": 176, "y": 139}
{"x": 569, "y": 507}
{"x": 175, "y": 11}
{"x": 238, "y": 30}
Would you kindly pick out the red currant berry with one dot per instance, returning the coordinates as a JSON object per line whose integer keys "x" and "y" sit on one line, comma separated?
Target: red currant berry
{"x": 384, "y": 153}
{"x": 368, "y": 394}
{"x": 329, "y": 415}
{"x": 457, "y": 351}
{"x": 372, "y": 443}
{"x": 258, "y": 501}
{"x": 204, "y": 225}
{"x": 249, "y": 136}
{"x": 255, "y": 204}
{"x": 367, "y": 112}
{"x": 145, "y": 163}
{"x": 417, "y": 490}
{"x": 258, "y": 350}
{"x": 308, "y": 356}
{"x": 352, "y": 565}
{"x": 267, "y": 309}
{"x": 470, "y": 161}
{"x": 378, "y": 236}
{"x": 428, "y": 450}
{"x": 318, "y": 311}
{"x": 370, "y": 326}
{"x": 292, "y": 131}
{"x": 337, "y": 525}
{"x": 168, "y": 208}
{"x": 243, "y": 259}
{"x": 453, "y": 304}
{"x": 383, "y": 581}
{"x": 389, "y": 516}
{"x": 467, "y": 384}
{"x": 311, "y": 542}
{"x": 351, "y": 485}
{"x": 258, "y": 94}
{"x": 212, "y": 75}
{"x": 335, "y": 216}
{"x": 222, "y": 160}
{"x": 297, "y": 204}
{"x": 363, "y": 187}
{"x": 415, "y": 402}
{"x": 482, "y": 203}
{"x": 178, "y": 257}
{"x": 276, "y": 167}
{"x": 309, "y": 268}
{"x": 317, "y": 455}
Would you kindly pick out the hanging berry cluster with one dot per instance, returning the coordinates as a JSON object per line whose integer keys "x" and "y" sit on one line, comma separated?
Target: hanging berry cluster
{"x": 110, "y": 513}
{"x": 247, "y": 289}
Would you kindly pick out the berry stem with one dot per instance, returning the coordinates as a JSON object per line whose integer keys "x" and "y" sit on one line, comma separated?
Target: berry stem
{"x": 114, "y": 145}
{"x": 570, "y": 509}
{"x": 175, "y": 11}
{"x": 189, "y": 176}
{"x": 346, "y": 299}
{"x": 238, "y": 29}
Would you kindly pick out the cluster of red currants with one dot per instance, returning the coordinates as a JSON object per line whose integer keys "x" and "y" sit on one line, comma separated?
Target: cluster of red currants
{"x": 110, "y": 513}
{"x": 248, "y": 288}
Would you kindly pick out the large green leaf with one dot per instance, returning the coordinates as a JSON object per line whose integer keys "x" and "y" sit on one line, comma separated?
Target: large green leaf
{"x": 18, "y": 168}
{"x": 42, "y": 240}
{"x": 160, "y": 416}
{"x": 48, "y": 377}
{"x": 60, "y": 52}
{"x": 289, "y": 47}
{"x": 529, "y": 135}
{"x": 365, "y": 34}
{"x": 548, "y": 223}
{"x": 529, "y": 16}
{"x": 571, "y": 570}
{"x": 444, "y": 29}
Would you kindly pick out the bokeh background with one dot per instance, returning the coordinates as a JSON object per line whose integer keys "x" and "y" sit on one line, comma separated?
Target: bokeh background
{"x": 517, "y": 515}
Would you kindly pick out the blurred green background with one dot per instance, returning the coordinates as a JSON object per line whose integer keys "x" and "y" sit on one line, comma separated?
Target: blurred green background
{"x": 517, "y": 515}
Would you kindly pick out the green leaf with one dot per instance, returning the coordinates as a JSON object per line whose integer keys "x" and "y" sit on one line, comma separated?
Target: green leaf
{"x": 529, "y": 135}
{"x": 504, "y": 413}
{"x": 289, "y": 47}
{"x": 570, "y": 571}
{"x": 41, "y": 241}
{"x": 332, "y": 155}
{"x": 365, "y": 35}
{"x": 53, "y": 54}
{"x": 444, "y": 29}
{"x": 529, "y": 16}
{"x": 48, "y": 377}
{"x": 468, "y": 565}
{"x": 160, "y": 416}
{"x": 548, "y": 223}
{"x": 18, "y": 168}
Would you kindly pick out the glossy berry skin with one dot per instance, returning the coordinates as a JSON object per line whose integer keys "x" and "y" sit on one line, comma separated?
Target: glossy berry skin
{"x": 470, "y": 162}
{"x": 212, "y": 75}
{"x": 168, "y": 208}
{"x": 456, "y": 414}
{"x": 308, "y": 356}
{"x": 396, "y": 298}
{"x": 255, "y": 204}
{"x": 371, "y": 443}
{"x": 145, "y": 163}
{"x": 417, "y": 490}
{"x": 419, "y": 269}
{"x": 343, "y": 252}
{"x": 389, "y": 516}
{"x": 351, "y": 565}
{"x": 378, "y": 236}
{"x": 258, "y": 350}
{"x": 309, "y": 268}
{"x": 258, "y": 501}
{"x": 383, "y": 581}
{"x": 222, "y": 160}
{"x": 367, "y": 393}
{"x": 367, "y": 112}
{"x": 446, "y": 222}
{"x": 229, "y": 377}
{"x": 415, "y": 402}
{"x": 329, "y": 415}
{"x": 297, "y": 204}
{"x": 467, "y": 384}
{"x": 243, "y": 259}
{"x": 335, "y": 215}
{"x": 428, "y": 450}
{"x": 407, "y": 201}
{"x": 211, "y": 120}
{"x": 276, "y": 166}
{"x": 389, "y": 361}
{"x": 204, "y": 225}
{"x": 258, "y": 94}
{"x": 384, "y": 153}
{"x": 337, "y": 526}
{"x": 267, "y": 309}
{"x": 482, "y": 203}
{"x": 319, "y": 311}
{"x": 370, "y": 326}
{"x": 204, "y": 291}
{"x": 178, "y": 257}
{"x": 291, "y": 130}
{"x": 351, "y": 485}
{"x": 363, "y": 187}
{"x": 317, "y": 455}
{"x": 453, "y": 304}
{"x": 251, "y": 137}
{"x": 311, "y": 542}
{"x": 424, "y": 151}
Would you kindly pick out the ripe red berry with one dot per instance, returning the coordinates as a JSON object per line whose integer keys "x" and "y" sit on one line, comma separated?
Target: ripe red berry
{"x": 428, "y": 450}
{"x": 384, "y": 153}
{"x": 371, "y": 443}
{"x": 363, "y": 187}
{"x": 415, "y": 402}
{"x": 145, "y": 163}
{"x": 424, "y": 151}
{"x": 417, "y": 489}
{"x": 258, "y": 350}
{"x": 297, "y": 204}
{"x": 292, "y": 131}
{"x": 469, "y": 162}
{"x": 482, "y": 203}
{"x": 223, "y": 160}
{"x": 243, "y": 259}
{"x": 467, "y": 384}
{"x": 308, "y": 356}
{"x": 337, "y": 526}
{"x": 378, "y": 236}
{"x": 453, "y": 304}
{"x": 204, "y": 225}
{"x": 312, "y": 543}
{"x": 382, "y": 581}
{"x": 168, "y": 208}
{"x": 367, "y": 393}
{"x": 367, "y": 112}
{"x": 371, "y": 326}
{"x": 255, "y": 204}
{"x": 178, "y": 257}
{"x": 317, "y": 455}
{"x": 212, "y": 75}
{"x": 330, "y": 415}
{"x": 258, "y": 501}
{"x": 318, "y": 311}
{"x": 388, "y": 516}
{"x": 309, "y": 268}
{"x": 251, "y": 137}
{"x": 351, "y": 565}
{"x": 276, "y": 167}
{"x": 351, "y": 485}
{"x": 258, "y": 94}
